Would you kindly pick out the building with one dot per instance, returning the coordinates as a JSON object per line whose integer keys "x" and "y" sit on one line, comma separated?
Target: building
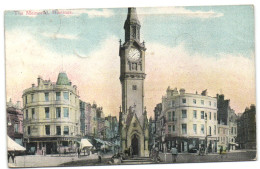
{"x": 227, "y": 120}
{"x": 51, "y": 116}
{"x": 247, "y": 129}
{"x": 152, "y": 133}
{"x": 133, "y": 116}
{"x": 14, "y": 119}
{"x": 187, "y": 121}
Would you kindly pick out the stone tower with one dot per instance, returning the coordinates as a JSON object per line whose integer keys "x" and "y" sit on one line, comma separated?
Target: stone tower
{"x": 133, "y": 116}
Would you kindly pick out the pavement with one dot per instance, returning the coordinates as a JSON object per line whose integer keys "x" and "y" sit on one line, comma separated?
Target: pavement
{"x": 238, "y": 155}
{"x": 73, "y": 160}
{"x": 50, "y": 160}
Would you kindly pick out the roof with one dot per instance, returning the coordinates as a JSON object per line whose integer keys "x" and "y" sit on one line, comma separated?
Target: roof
{"x": 62, "y": 79}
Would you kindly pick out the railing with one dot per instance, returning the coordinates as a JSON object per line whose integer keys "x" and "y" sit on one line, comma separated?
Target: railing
{"x": 171, "y": 120}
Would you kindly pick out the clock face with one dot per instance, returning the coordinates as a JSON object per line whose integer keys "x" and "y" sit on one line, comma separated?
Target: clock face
{"x": 134, "y": 54}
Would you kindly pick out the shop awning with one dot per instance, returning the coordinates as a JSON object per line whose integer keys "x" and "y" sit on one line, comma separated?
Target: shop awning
{"x": 84, "y": 143}
{"x": 13, "y": 146}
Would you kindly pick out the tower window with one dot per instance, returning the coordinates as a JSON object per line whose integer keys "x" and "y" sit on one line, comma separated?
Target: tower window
{"x": 134, "y": 87}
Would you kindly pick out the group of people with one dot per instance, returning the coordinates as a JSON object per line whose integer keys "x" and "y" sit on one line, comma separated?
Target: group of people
{"x": 129, "y": 152}
{"x": 12, "y": 155}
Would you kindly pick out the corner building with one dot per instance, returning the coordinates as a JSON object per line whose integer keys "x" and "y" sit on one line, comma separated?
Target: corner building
{"x": 51, "y": 116}
{"x": 133, "y": 122}
{"x": 188, "y": 121}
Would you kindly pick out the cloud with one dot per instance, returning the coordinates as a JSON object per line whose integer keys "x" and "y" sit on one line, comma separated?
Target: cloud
{"x": 179, "y": 11}
{"x": 97, "y": 74}
{"x": 92, "y": 13}
{"x": 59, "y": 36}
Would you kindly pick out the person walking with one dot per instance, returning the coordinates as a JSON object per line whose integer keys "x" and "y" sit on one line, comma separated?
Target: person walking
{"x": 78, "y": 151}
{"x": 174, "y": 152}
{"x": 131, "y": 151}
{"x": 221, "y": 151}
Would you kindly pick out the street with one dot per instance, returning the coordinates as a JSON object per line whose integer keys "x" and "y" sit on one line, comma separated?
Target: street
{"x": 44, "y": 161}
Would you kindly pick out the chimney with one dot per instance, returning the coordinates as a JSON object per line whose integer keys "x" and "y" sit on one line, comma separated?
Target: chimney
{"x": 182, "y": 91}
{"x": 18, "y": 104}
{"x": 33, "y": 85}
{"x": 204, "y": 93}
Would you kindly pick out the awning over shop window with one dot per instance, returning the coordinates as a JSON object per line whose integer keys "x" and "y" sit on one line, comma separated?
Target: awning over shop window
{"x": 13, "y": 146}
{"x": 85, "y": 144}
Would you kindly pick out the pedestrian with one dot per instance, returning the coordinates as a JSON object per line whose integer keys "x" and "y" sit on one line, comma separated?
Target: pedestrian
{"x": 131, "y": 151}
{"x": 221, "y": 151}
{"x": 99, "y": 157}
{"x": 174, "y": 152}
{"x": 13, "y": 156}
{"x": 78, "y": 150}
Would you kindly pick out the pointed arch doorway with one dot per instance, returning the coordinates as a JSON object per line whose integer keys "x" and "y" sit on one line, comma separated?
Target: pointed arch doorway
{"x": 135, "y": 145}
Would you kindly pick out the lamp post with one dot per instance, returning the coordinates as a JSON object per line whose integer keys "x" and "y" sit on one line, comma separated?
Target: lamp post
{"x": 206, "y": 138}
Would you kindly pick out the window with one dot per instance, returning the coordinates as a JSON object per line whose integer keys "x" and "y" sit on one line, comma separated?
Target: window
{"x": 66, "y": 95}
{"x": 184, "y": 113}
{"x": 172, "y": 103}
{"x": 235, "y": 129}
{"x": 16, "y": 128}
{"x": 32, "y": 97}
{"x": 194, "y": 114}
{"x": 184, "y": 128}
{"x": 66, "y": 130}
{"x": 215, "y": 129}
{"x": 47, "y": 130}
{"x": 169, "y": 129}
{"x": 26, "y": 101}
{"x": 57, "y": 95}
{"x": 202, "y": 102}
{"x": 33, "y": 113}
{"x": 29, "y": 130}
{"x": 46, "y": 96}
{"x": 169, "y": 116}
{"x": 66, "y": 112}
{"x": 58, "y": 111}
{"x": 231, "y": 130}
{"x": 26, "y": 115}
{"x": 202, "y": 114}
{"x": 134, "y": 87}
{"x": 47, "y": 112}
{"x": 173, "y": 115}
{"x": 209, "y": 130}
{"x": 215, "y": 116}
{"x": 195, "y": 128}
{"x": 58, "y": 130}
{"x": 210, "y": 103}
{"x": 194, "y": 101}
{"x": 173, "y": 128}
{"x": 209, "y": 115}
{"x": 215, "y": 104}
{"x": 202, "y": 129}
{"x": 183, "y": 100}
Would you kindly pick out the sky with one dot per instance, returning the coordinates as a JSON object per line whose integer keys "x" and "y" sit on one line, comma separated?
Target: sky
{"x": 196, "y": 48}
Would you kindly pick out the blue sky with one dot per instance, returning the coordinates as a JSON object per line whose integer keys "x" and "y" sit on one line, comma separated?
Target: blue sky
{"x": 231, "y": 33}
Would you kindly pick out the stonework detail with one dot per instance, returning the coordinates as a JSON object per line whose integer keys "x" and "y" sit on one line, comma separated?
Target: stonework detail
{"x": 133, "y": 116}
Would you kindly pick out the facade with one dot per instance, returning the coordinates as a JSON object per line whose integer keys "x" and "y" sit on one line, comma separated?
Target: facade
{"x": 247, "y": 129}
{"x": 227, "y": 119}
{"x": 14, "y": 121}
{"x": 51, "y": 116}
{"x": 133, "y": 116}
{"x": 187, "y": 121}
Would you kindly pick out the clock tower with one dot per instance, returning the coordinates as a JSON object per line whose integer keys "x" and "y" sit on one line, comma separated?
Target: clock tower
{"x": 133, "y": 116}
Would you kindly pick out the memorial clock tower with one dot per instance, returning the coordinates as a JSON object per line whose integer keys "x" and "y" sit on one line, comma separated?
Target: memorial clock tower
{"x": 133, "y": 115}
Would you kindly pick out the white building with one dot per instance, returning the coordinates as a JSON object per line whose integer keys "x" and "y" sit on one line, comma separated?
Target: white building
{"x": 188, "y": 121}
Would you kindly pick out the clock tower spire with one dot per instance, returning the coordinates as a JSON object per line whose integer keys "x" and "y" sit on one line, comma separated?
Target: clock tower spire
{"x": 132, "y": 26}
